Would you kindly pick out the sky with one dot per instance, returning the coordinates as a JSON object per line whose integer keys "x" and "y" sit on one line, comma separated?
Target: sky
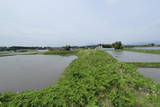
{"x": 78, "y": 22}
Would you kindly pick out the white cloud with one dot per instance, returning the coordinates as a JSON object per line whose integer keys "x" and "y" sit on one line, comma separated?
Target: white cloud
{"x": 61, "y": 22}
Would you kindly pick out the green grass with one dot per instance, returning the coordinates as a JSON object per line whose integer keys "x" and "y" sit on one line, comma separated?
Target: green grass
{"x": 146, "y": 64}
{"x": 2, "y": 55}
{"x": 28, "y": 53}
{"x": 21, "y": 53}
{"x": 94, "y": 79}
{"x": 61, "y": 52}
{"x": 143, "y": 51}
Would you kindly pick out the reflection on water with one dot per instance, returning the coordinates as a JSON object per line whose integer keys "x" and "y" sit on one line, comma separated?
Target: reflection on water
{"x": 153, "y": 73}
{"x": 126, "y": 56}
{"x": 25, "y": 72}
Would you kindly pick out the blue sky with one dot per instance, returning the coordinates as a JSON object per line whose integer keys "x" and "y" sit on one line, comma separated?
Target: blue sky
{"x": 78, "y": 22}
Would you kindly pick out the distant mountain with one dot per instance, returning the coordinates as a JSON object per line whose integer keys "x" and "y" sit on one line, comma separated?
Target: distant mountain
{"x": 145, "y": 43}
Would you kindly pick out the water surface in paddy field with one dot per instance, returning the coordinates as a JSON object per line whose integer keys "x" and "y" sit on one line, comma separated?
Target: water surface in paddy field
{"x": 153, "y": 73}
{"x": 26, "y": 72}
{"x": 107, "y": 49}
{"x": 148, "y": 48}
{"x": 126, "y": 56}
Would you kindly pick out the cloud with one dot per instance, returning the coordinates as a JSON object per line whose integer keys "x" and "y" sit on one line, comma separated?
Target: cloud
{"x": 61, "y": 22}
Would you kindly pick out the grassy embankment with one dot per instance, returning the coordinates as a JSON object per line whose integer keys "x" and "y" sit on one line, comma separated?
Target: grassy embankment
{"x": 61, "y": 52}
{"x": 143, "y": 51}
{"x": 94, "y": 79}
{"x": 21, "y": 53}
{"x": 1, "y": 55}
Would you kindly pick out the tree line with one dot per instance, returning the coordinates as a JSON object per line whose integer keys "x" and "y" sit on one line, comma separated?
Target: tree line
{"x": 15, "y": 48}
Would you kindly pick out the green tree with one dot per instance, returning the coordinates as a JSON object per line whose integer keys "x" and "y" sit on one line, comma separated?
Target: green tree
{"x": 67, "y": 47}
{"x": 152, "y": 44}
{"x": 117, "y": 45}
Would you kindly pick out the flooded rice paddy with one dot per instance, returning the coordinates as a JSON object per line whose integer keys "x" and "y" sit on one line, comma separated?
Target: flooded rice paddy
{"x": 153, "y": 73}
{"x": 125, "y": 56}
{"x": 148, "y": 48}
{"x": 26, "y": 72}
